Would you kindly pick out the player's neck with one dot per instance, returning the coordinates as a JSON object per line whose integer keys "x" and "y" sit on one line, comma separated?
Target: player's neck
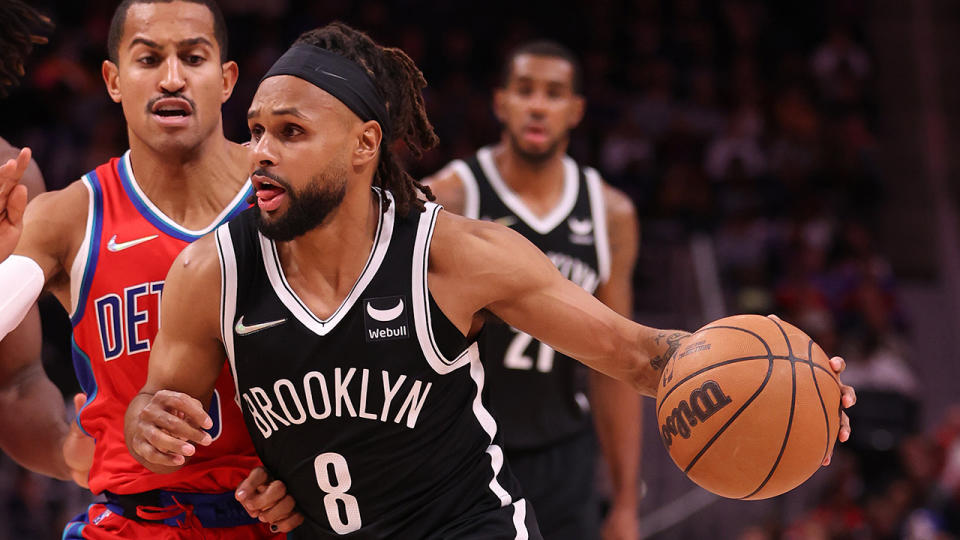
{"x": 538, "y": 183}
{"x": 191, "y": 188}
{"x": 323, "y": 265}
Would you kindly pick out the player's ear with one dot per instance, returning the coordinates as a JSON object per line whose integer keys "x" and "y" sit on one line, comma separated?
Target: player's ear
{"x": 577, "y": 108}
{"x": 229, "y": 72}
{"x": 111, "y": 77}
{"x": 499, "y": 100}
{"x": 368, "y": 144}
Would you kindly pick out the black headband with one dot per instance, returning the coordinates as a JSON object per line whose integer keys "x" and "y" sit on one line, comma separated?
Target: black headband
{"x": 344, "y": 79}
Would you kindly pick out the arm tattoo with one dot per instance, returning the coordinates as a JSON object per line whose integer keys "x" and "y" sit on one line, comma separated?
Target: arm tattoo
{"x": 673, "y": 340}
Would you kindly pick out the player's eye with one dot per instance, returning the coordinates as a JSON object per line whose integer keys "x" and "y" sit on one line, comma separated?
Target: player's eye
{"x": 256, "y": 132}
{"x": 291, "y": 130}
{"x": 195, "y": 59}
{"x": 148, "y": 60}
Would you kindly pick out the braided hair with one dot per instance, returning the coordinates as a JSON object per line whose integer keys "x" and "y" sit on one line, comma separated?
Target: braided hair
{"x": 19, "y": 24}
{"x": 400, "y": 83}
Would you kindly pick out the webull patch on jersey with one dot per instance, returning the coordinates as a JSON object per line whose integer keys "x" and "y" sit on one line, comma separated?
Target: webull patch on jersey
{"x": 385, "y": 318}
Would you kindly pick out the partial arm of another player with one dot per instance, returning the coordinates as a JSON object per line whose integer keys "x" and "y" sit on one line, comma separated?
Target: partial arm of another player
{"x": 165, "y": 421}
{"x": 31, "y": 409}
{"x": 617, "y": 408}
{"x": 37, "y": 434}
{"x": 447, "y": 186}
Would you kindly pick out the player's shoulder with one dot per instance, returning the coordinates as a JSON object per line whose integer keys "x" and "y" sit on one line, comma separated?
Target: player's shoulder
{"x": 198, "y": 265}
{"x": 468, "y": 245}
{"x": 201, "y": 254}
{"x": 447, "y": 185}
{"x": 67, "y": 206}
{"x": 32, "y": 177}
{"x": 617, "y": 203}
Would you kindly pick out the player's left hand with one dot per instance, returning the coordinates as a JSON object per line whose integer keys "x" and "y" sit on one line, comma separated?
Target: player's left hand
{"x": 848, "y": 397}
{"x": 268, "y": 501}
{"x": 13, "y": 200}
{"x": 621, "y": 523}
{"x": 78, "y": 448}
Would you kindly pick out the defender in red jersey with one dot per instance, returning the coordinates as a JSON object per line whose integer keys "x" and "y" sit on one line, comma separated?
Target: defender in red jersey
{"x": 103, "y": 246}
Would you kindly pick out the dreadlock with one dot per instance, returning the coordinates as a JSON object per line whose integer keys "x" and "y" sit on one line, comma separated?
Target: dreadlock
{"x": 19, "y": 24}
{"x": 401, "y": 83}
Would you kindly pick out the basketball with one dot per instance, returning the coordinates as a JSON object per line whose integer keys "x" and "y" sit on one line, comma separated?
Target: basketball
{"x": 748, "y": 407}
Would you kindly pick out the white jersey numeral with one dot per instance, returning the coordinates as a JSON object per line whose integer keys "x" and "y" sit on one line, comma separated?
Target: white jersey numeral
{"x": 515, "y": 358}
{"x": 337, "y": 494}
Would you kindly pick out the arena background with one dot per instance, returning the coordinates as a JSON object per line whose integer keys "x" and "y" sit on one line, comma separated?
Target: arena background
{"x": 787, "y": 157}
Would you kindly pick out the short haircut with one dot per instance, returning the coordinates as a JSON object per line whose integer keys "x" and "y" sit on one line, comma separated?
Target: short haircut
{"x": 544, "y": 48}
{"x": 120, "y": 19}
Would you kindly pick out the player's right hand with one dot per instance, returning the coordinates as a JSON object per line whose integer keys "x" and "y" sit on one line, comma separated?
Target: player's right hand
{"x": 78, "y": 447}
{"x": 13, "y": 201}
{"x": 167, "y": 429}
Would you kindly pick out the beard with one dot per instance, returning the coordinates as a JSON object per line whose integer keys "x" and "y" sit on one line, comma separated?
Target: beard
{"x": 533, "y": 157}
{"x": 306, "y": 209}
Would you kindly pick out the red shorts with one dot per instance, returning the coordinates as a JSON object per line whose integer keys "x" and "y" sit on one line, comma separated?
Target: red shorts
{"x": 101, "y": 523}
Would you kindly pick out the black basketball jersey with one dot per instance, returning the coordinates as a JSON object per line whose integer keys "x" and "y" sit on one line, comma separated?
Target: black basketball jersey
{"x": 374, "y": 417}
{"x": 538, "y": 394}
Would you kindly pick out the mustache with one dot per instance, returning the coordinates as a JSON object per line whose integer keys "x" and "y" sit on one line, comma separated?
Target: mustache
{"x": 267, "y": 174}
{"x": 166, "y": 95}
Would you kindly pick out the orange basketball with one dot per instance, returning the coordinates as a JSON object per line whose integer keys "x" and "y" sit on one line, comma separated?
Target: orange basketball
{"x": 748, "y": 407}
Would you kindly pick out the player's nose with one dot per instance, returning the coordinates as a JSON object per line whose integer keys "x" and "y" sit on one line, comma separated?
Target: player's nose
{"x": 262, "y": 152}
{"x": 173, "y": 76}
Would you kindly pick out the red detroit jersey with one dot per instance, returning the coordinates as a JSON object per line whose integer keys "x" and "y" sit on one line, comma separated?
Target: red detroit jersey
{"x": 116, "y": 283}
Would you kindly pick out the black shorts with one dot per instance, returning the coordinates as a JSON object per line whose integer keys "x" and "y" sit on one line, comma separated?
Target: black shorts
{"x": 559, "y": 481}
{"x": 500, "y": 524}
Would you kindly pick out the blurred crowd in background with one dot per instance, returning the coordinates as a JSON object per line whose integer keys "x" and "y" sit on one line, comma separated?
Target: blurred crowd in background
{"x": 751, "y": 122}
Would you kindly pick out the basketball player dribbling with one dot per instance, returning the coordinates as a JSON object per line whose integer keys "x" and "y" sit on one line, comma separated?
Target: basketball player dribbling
{"x": 590, "y": 232}
{"x": 103, "y": 246}
{"x": 349, "y": 310}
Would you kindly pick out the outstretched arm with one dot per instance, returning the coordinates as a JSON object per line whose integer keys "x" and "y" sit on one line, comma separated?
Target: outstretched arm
{"x": 476, "y": 266}
{"x": 165, "y": 421}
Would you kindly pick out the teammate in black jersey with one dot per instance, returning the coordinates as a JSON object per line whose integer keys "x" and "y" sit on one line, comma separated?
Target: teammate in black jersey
{"x": 590, "y": 231}
{"x": 350, "y": 309}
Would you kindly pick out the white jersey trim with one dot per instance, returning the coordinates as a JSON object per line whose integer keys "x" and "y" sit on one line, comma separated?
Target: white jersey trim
{"x": 471, "y": 193}
{"x": 489, "y": 425}
{"x": 231, "y": 206}
{"x": 299, "y": 309}
{"x": 598, "y": 208}
{"x": 520, "y": 519}
{"x": 571, "y": 188}
{"x": 82, "y": 256}
{"x": 228, "y": 298}
{"x": 421, "y": 299}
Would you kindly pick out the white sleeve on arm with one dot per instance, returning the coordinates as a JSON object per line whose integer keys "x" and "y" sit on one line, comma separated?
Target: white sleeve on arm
{"x": 21, "y": 282}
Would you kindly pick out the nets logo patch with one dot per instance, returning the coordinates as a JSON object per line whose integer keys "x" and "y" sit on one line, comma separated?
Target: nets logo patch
{"x": 385, "y": 318}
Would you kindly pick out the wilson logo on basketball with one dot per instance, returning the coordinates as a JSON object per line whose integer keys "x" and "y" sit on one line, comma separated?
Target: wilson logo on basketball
{"x": 704, "y": 402}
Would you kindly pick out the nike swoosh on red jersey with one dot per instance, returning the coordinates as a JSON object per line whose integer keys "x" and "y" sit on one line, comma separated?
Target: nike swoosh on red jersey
{"x": 114, "y": 246}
